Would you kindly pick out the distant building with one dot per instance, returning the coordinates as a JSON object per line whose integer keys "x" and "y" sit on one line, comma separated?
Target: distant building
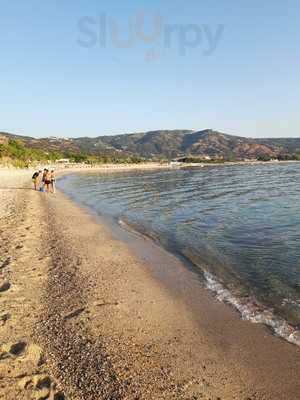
{"x": 58, "y": 139}
{"x": 175, "y": 162}
{"x": 63, "y": 161}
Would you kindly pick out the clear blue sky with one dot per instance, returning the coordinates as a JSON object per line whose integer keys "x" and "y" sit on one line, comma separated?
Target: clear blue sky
{"x": 60, "y": 78}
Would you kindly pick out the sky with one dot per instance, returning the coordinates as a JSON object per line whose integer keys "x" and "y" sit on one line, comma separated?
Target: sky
{"x": 89, "y": 68}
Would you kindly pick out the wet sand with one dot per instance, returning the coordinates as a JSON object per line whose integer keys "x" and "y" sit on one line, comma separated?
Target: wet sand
{"x": 87, "y": 313}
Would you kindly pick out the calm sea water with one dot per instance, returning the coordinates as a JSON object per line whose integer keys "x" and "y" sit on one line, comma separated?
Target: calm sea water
{"x": 240, "y": 225}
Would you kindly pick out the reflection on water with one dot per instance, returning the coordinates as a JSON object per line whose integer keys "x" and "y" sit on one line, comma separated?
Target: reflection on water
{"x": 240, "y": 225}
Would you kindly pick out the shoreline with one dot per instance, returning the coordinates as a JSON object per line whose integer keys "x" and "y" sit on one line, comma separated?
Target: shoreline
{"x": 78, "y": 168}
{"x": 248, "y": 311}
{"x": 97, "y": 304}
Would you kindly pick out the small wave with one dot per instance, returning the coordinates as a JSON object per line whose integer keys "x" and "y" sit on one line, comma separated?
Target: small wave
{"x": 251, "y": 312}
{"x": 132, "y": 229}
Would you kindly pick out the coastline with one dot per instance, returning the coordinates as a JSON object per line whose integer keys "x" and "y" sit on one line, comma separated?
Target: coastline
{"x": 99, "y": 322}
{"x": 248, "y": 310}
{"x": 156, "y": 165}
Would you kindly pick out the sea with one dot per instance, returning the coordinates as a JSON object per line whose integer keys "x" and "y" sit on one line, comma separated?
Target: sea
{"x": 239, "y": 226}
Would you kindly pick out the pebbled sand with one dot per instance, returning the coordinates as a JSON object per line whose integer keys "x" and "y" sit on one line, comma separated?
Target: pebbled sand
{"x": 83, "y": 317}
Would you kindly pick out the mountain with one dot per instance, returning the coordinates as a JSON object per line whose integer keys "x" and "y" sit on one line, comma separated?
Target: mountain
{"x": 168, "y": 144}
{"x": 176, "y": 143}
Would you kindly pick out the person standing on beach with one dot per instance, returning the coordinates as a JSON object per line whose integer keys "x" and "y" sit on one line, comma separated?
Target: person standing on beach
{"x": 42, "y": 186}
{"x": 47, "y": 181}
{"x": 52, "y": 179}
{"x": 35, "y": 179}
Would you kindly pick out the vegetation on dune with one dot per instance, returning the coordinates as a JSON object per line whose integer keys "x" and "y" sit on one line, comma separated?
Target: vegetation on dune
{"x": 197, "y": 160}
{"x": 18, "y": 155}
{"x": 265, "y": 158}
{"x": 286, "y": 157}
{"x": 14, "y": 152}
{"x": 280, "y": 157}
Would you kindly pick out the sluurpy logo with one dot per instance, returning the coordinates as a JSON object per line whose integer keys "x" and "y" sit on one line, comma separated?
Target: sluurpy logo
{"x": 104, "y": 31}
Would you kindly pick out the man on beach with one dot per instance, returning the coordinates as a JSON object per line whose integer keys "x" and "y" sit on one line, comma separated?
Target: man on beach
{"x": 52, "y": 179}
{"x": 47, "y": 180}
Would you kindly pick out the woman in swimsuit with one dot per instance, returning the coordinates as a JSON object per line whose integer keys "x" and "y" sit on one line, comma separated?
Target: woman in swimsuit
{"x": 36, "y": 179}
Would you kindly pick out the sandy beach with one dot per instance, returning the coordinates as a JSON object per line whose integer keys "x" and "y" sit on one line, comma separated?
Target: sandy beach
{"x": 87, "y": 315}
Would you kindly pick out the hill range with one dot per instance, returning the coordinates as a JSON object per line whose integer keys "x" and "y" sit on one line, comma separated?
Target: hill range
{"x": 167, "y": 144}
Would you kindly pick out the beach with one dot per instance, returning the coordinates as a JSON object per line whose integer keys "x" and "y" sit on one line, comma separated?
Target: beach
{"x": 85, "y": 316}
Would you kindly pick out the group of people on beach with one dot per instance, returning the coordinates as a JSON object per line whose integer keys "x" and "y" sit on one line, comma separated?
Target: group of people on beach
{"x": 44, "y": 180}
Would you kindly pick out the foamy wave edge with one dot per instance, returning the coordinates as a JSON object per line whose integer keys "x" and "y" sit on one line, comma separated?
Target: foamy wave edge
{"x": 249, "y": 311}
